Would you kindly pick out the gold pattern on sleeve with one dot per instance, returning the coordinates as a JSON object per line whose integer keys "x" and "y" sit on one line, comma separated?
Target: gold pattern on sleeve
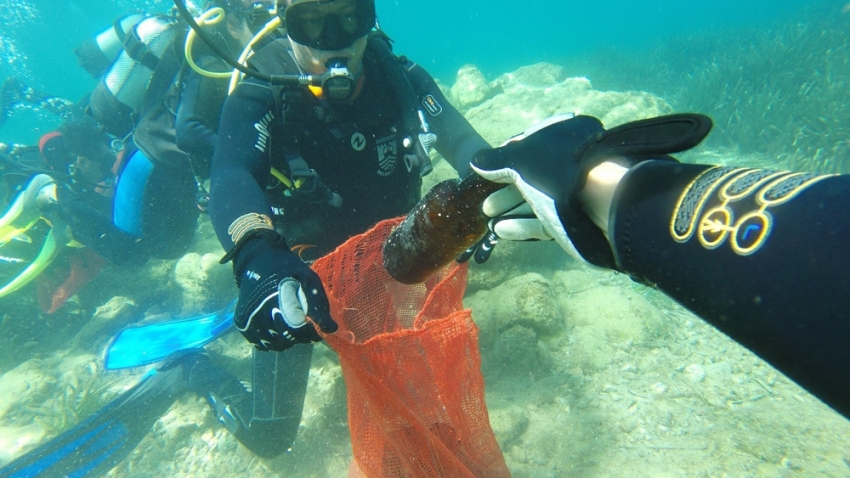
{"x": 246, "y": 223}
{"x": 707, "y": 208}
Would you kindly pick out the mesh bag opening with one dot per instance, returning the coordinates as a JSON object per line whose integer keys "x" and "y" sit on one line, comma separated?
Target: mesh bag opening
{"x": 409, "y": 354}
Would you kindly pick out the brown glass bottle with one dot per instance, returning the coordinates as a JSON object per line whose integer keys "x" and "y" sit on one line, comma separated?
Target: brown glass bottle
{"x": 445, "y": 222}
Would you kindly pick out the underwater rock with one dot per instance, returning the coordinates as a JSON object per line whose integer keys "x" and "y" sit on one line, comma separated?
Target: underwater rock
{"x": 515, "y": 320}
{"x": 604, "y": 318}
{"x": 107, "y": 320}
{"x": 533, "y": 93}
{"x": 509, "y": 426}
{"x": 695, "y": 372}
{"x": 537, "y": 75}
{"x": 470, "y": 88}
{"x": 516, "y": 353}
{"x": 526, "y": 301}
{"x": 205, "y": 283}
{"x": 14, "y": 440}
{"x": 30, "y": 381}
{"x": 515, "y": 258}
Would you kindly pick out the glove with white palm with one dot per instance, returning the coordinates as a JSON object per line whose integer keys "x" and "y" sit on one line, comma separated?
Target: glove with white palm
{"x": 547, "y": 166}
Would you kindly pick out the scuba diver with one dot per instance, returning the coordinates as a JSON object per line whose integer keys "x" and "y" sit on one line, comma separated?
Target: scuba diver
{"x": 73, "y": 163}
{"x": 142, "y": 183}
{"x": 349, "y": 154}
{"x": 149, "y": 203}
{"x": 340, "y": 159}
{"x": 14, "y": 93}
{"x": 298, "y": 170}
{"x": 762, "y": 255}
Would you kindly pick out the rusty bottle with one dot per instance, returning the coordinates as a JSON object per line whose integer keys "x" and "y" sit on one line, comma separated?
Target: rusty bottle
{"x": 446, "y": 222}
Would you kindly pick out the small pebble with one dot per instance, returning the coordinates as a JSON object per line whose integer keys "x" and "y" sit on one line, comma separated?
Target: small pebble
{"x": 695, "y": 372}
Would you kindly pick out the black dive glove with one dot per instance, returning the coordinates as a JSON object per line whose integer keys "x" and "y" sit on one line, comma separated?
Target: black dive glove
{"x": 547, "y": 166}
{"x": 276, "y": 292}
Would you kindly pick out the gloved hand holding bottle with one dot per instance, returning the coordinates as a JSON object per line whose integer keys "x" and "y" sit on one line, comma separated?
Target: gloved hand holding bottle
{"x": 548, "y": 166}
{"x": 277, "y": 292}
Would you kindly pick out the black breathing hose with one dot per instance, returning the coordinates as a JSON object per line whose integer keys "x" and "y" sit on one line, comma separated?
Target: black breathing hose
{"x": 400, "y": 83}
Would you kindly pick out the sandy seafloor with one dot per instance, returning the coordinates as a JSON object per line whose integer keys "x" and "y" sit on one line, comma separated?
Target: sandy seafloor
{"x": 587, "y": 373}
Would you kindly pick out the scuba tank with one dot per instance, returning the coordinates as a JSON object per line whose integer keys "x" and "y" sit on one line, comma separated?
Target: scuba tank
{"x": 118, "y": 97}
{"x": 96, "y": 54}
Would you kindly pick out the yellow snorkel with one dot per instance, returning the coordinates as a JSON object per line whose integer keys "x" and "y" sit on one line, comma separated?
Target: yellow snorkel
{"x": 213, "y": 16}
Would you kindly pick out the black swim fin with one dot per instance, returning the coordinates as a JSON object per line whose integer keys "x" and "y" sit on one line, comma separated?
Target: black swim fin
{"x": 100, "y": 442}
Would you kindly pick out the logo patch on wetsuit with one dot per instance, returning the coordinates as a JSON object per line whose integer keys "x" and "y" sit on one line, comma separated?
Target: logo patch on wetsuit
{"x": 431, "y": 105}
{"x": 358, "y": 141}
{"x": 262, "y": 128}
{"x": 387, "y": 154}
{"x": 732, "y": 203}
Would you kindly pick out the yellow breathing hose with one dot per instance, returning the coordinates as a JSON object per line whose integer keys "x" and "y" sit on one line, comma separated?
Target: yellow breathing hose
{"x": 213, "y": 16}
{"x": 237, "y": 75}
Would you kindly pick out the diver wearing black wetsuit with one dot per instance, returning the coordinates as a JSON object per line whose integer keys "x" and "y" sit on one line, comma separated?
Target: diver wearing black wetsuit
{"x": 357, "y": 151}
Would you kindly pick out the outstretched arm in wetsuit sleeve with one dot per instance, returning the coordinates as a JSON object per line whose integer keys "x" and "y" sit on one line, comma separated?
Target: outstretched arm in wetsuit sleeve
{"x": 457, "y": 140}
{"x": 761, "y": 255}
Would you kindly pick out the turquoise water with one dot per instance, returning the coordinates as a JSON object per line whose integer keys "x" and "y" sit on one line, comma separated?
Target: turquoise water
{"x": 774, "y": 75}
{"x": 498, "y": 36}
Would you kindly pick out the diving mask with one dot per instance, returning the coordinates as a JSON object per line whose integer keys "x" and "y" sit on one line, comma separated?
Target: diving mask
{"x": 329, "y": 24}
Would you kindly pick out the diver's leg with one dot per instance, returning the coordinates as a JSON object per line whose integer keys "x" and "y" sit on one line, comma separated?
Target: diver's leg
{"x": 266, "y": 419}
{"x": 280, "y": 385}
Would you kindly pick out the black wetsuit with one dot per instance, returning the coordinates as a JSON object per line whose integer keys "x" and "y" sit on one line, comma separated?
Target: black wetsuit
{"x": 356, "y": 149}
{"x": 199, "y": 113}
{"x": 761, "y": 255}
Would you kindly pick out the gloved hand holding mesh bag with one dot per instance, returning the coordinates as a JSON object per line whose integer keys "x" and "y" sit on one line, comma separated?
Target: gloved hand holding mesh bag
{"x": 277, "y": 292}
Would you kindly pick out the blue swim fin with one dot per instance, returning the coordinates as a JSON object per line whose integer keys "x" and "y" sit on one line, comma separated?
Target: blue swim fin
{"x": 148, "y": 344}
{"x": 100, "y": 442}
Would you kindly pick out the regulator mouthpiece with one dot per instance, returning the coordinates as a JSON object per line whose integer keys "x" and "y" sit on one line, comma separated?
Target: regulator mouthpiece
{"x": 337, "y": 82}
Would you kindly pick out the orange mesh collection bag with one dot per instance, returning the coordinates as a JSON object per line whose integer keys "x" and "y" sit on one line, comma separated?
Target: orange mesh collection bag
{"x": 409, "y": 354}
